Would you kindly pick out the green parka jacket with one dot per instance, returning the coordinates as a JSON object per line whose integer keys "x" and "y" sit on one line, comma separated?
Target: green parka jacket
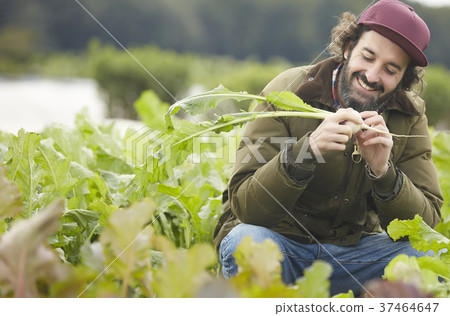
{"x": 340, "y": 202}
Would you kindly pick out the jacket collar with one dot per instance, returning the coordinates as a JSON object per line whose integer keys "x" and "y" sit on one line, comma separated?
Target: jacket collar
{"x": 316, "y": 87}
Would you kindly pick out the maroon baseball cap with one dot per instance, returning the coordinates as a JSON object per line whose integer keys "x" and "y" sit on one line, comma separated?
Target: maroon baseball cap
{"x": 400, "y": 23}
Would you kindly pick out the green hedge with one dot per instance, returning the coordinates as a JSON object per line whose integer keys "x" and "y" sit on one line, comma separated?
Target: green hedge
{"x": 124, "y": 76}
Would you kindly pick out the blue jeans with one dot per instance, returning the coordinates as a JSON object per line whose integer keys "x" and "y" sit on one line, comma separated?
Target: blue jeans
{"x": 352, "y": 266}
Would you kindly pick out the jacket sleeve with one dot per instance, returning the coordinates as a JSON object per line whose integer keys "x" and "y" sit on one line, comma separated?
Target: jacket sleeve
{"x": 260, "y": 190}
{"x": 420, "y": 191}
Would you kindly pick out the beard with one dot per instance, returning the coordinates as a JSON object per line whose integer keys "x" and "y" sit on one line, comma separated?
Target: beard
{"x": 364, "y": 102}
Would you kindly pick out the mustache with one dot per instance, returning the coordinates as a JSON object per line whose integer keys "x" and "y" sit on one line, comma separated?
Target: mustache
{"x": 373, "y": 85}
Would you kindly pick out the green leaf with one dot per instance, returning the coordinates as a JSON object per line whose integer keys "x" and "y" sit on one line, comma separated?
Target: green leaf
{"x": 182, "y": 272}
{"x": 82, "y": 217}
{"x": 190, "y": 203}
{"x": 289, "y": 101}
{"x": 405, "y": 269}
{"x": 187, "y": 203}
{"x": 107, "y": 161}
{"x": 125, "y": 225}
{"x": 259, "y": 263}
{"x": 200, "y": 103}
{"x": 435, "y": 264}
{"x": 315, "y": 282}
{"x": 55, "y": 178}
{"x": 83, "y": 176}
{"x": 127, "y": 243}
{"x": 92, "y": 256}
{"x": 408, "y": 270}
{"x": 10, "y": 199}
{"x": 349, "y": 294}
{"x": 259, "y": 272}
{"x": 444, "y": 226}
{"x": 70, "y": 143}
{"x": 151, "y": 110}
{"x": 441, "y": 156}
{"x": 115, "y": 181}
{"x": 79, "y": 171}
{"x": 105, "y": 143}
{"x": 421, "y": 236}
{"x": 23, "y": 170}
{"x": 209, "y": 214}
{"x": 104, "y": 209}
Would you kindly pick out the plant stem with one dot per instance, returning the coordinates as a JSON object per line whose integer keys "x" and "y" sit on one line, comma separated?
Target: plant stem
{"x": 257, "y": 115}
{"x": 253, "y": 116}
{"x": 365, "y": 126}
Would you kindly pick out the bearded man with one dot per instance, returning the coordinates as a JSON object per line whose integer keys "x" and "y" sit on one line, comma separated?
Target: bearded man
{"x": 334, "y": 200}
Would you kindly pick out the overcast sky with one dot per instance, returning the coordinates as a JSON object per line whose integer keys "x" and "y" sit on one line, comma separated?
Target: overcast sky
{"x": 434, "y": 2}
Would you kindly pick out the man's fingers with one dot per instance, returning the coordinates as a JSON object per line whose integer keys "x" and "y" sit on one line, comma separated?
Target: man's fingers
{"x": 376, "y": 121}
{"x": 349, "y": 114}
{"x": 379, "y": 140}
{"x": 368, "y": 114}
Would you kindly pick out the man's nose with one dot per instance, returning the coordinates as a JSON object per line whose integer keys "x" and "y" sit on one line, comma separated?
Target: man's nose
{"x": 373, "y": 74}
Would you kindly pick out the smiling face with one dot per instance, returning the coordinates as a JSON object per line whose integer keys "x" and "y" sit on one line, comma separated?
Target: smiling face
{"x": 371, "y": 72}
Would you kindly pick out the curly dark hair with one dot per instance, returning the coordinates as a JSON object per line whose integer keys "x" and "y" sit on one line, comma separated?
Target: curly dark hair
{"x": 347, "y": 33}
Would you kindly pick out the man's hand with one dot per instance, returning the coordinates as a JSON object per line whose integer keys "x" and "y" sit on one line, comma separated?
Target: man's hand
{"x": 374, "y": 147}
{"x": 332, "y": 133}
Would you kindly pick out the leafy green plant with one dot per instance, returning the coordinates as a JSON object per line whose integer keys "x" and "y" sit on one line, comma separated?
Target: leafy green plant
{"x": 430, "y": 273}
{"x": 441, "y": 156}
{"x": 259, "y": 273}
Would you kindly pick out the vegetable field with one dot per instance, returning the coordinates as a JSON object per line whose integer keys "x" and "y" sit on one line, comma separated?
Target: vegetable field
{"x": 93, "y": 212}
